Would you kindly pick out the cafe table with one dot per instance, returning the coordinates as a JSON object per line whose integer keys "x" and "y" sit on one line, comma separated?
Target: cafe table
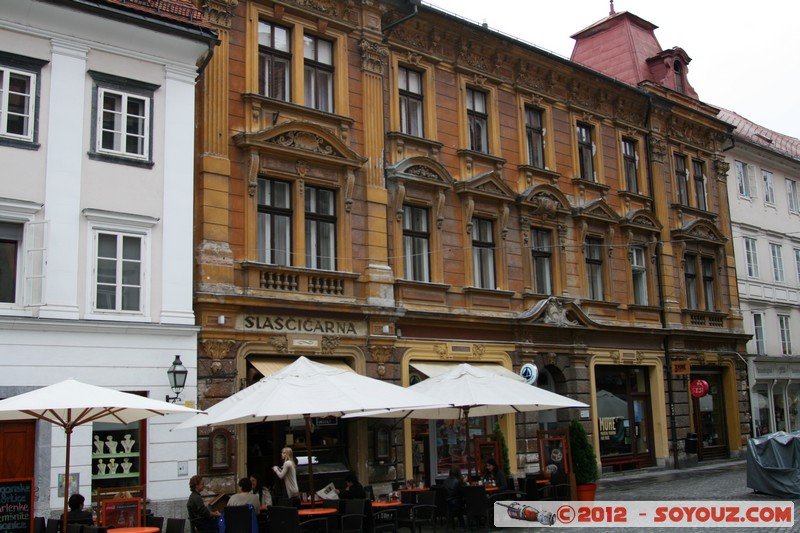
{"x": 383, "y": 505}
{"x": 143, "y": 529}
{"x": 318, "y": 511}
{"x": 492, "y": 489}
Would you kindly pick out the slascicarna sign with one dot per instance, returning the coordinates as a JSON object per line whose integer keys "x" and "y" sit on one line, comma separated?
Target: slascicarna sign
{"x": 304, "y": 325}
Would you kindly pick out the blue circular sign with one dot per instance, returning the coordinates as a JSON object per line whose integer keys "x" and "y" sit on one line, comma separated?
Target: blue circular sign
{"x": 530, "y": 372}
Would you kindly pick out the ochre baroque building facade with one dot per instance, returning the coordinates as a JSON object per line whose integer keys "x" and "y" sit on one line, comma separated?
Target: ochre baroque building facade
{"x": 394, "y": 189}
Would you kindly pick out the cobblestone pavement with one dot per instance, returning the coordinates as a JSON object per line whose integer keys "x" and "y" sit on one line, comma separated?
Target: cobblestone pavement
{"x": 720, "y": 481}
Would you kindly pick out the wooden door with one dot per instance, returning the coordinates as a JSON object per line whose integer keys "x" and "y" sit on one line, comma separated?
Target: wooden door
{"x": 17, "y": 447}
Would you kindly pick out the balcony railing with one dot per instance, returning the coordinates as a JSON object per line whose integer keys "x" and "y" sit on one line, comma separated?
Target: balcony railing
{"x": 260, "y": 277}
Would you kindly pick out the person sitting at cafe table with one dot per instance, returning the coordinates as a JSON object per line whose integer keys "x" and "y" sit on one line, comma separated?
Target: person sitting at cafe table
{"x": 454, "y": 495}
{"x": 353, "y": 490}
{"x": 245, "y": 495}
{"x": 493, "y": 475}
{"x": 76, "y": 514}
{"x": 203, "y": 518}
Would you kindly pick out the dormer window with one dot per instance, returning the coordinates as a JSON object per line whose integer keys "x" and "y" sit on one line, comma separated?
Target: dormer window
{"x": 678, "y": 68}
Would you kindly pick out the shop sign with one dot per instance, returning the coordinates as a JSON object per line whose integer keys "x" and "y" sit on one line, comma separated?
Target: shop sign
{"x": 698, "y": 388}
{"x": 303, "y": 325}
{"x": 681, "y": 368}
{"x": 530, "y": 372}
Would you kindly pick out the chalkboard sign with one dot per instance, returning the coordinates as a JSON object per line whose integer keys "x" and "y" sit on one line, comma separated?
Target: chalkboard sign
{"x": 16, "y": 505}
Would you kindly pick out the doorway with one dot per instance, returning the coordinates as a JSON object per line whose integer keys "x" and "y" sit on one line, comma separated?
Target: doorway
{"x": 708, "y": 414}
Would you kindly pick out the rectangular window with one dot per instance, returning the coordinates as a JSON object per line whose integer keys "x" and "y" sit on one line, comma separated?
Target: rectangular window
{"x": 483, "y": 253}
{"x": 410, "y": 84}
{"x": 786, "y": 334}
{"x": 10, "y": 260}
{"x": 751, "y": 256}
{"x": 690, "y": 280}
{"x": 791, "y": 195}
{"x": 318, "y": 73}
{"x": 776, "y": 251}
{"x": 274, "y": 60}
{"x": 123, "y": 124}
{"x": 274, "y": 223}
{"x": 586, "y": 152}
{"x": 682, "y": 179}
{"x": 320, "y": 228}
{"x": 769, "y": 191}
{"x": 758, "y": 333}
{"x": 534, "y": 135}
{"x": 416, "y": 243}
{"x": 594, "y": 268}
{"x": 630, "y": 164}
{"x": 118, "y": 283}
{"x": 542, "y": 257}
{"x": 797, "y": 263}
{"x": 17, "y": 103}
{"x": 477, "y": 121}
{"x": 742, "y": 179}
{"x": 700, "y": 193}
{"x": 708, "y": 283}
{"x": 639, "y": 275}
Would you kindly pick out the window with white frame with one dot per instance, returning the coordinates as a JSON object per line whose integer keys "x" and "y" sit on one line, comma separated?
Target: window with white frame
{"x": 19, "y": 79}
{"x": 791, "y": 195}
{"x": 586, "y": 149}
{"x": 797, "y": 263}
{"x": 639, "y": 275}
{"x": 542, "y": 259}
{"x": 700, "y": 193}
{"x": 411, "y": 101}
{"x": 477, "y": 121}
{"x": 776, "y": 251}
{"x": 10, "y": 260}
{"x": 594, "y": 268}
{"x": 123, "y": 118}
{"x": 751, "y": 256}
{"x": 274, "y": 222}
{"x": 274, "y": 60}
{"x": 416, "y": 243}
{"x": 320, "y": 212}
{"x": 630, "y": 159}
{"x": 769, "y": 191}
{"x": 758, "y": 333}
{"x": 534, "y": 136}
{"x": 681, "y": 179}
{"x": 483, "y": 249}
{"x": 118, "y": 272}
{"x": 742, "y": 179}
{"x": 318, "y": 73}
{"x": 786, "y": 334}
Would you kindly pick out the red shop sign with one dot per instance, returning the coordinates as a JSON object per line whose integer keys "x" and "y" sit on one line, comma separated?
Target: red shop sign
{"x": 698, "y": 388}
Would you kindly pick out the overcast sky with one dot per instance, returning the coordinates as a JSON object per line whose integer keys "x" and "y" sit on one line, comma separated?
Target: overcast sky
{"x": 745, "y": 53}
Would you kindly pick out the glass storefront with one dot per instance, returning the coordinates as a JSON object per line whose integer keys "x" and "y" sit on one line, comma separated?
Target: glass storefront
{"x": 709, "y": 416}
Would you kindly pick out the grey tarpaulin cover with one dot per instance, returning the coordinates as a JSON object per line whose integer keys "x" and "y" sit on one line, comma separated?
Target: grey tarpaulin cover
{"x": 773, "y": 464}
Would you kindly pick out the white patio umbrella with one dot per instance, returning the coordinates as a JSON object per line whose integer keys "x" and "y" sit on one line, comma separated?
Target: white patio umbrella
{"x": 71, "y": 403}
{"x": 304, "y": 389}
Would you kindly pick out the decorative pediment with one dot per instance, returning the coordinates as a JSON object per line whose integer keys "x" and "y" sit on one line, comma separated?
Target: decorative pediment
{"x": 544, "y": 201}
{"x": 308, "y": 139}
{"x": 558, "y": 312}
{"x": 701, "y": 231}
{"x": 421, "y": 170}
{"x": 598, "y": 210}
{"x": 489, "y": 185}
{"x": 642, "y": 220}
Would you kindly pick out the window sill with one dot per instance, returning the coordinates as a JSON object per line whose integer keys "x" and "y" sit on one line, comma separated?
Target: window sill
{"x": 407, "y": 145}
{"x": 111, "y": 316}
{"x": 594, "y": 186}
{"x": 121, "y": 160}
{"x": 531, "y": 173}
{"x": 19, "y": 143}
{"x": 636, "y": 197}
{"x": 699, "y": 213}
{"x": 700, "y": 318}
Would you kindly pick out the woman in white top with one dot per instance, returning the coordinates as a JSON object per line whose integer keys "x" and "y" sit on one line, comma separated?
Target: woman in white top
{"x": 245, "y": 495}
{"x": 288, "y": 473}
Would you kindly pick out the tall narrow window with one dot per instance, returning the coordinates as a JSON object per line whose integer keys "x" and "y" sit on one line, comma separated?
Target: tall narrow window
{"x": 320, "y": 228}
{"x": 679, "y": 81}
{"x": 410, "y": 84}
{"x": 797, "y": 264}
{"x": 742, "y": 179}
{"x": 274, "y": 60}
{"x": 682, "y": 179}
{"x": 791, "y": 195}
{"x": 776, "y": 251}
{"x": 707, "y": 265}
{"x": 483, "y": 253}
{"x": 118, "y": 282}
{"x": 594, "y": 268}
{"x": 786, "y": 334}
{"x": 758, "y": 333}
{"x": 700, "y": 193}
{"x": 769, "y": 191}
{"x": 416, "y": 243}
{"x": 318, "y": 73}
{"x": 751, "y": 256}
{"x": 17, "y": 103}
{"x": 639, "y": 275}
{"x": 630, "y": 159}
{"x": 10, "y": 248}
{"x": 690, "y": 280}
{"x": 534, "y": 135}
{"x": 478, "y": 120}
{"x": 542, "y": 258}
{"x": 586, "y": 152}
{"x": 274, "y": 222}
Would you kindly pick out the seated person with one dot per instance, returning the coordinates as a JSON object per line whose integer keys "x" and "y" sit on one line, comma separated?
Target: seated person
{"x": 76, "y": 514}
{"x": 353, "y": 490}
{"x": 201, "y": 517}
{"x": 245, "y": 495}
{"x": 454, "y": 496}
{"x": 493, "y": 476}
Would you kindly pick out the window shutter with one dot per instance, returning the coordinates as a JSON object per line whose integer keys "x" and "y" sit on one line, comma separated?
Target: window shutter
{"x": 35, "y": 257}
{"x": 751, "y": 181}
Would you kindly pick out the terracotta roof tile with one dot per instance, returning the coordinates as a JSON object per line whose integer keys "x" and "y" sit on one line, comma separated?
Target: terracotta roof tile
{"x": 761, "y": 136}
{"x": 183, "y": 11}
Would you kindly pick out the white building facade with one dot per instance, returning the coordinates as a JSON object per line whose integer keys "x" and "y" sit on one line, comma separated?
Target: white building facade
{"x": 763, "y": 182}
{"x": 96, "y": 207}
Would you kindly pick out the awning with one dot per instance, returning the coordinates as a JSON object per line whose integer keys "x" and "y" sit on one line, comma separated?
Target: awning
{"x": 269, "y": 365}
{"x": 433, "y": 369}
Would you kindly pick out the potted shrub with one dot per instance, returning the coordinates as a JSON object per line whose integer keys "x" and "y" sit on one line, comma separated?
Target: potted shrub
{"x": 584, "y": 461}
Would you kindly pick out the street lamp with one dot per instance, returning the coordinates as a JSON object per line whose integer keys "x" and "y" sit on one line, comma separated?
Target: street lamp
{"x": 177, "y": 379}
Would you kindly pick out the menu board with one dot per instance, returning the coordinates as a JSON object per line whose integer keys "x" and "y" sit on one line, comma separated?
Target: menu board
{"x": 123, "y": 512}
{"x": 16, "y": 505}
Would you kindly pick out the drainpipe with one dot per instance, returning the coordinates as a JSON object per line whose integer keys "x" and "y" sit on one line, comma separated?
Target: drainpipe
{"x": 414, "y": 8}
{"x": 662, "y": 311}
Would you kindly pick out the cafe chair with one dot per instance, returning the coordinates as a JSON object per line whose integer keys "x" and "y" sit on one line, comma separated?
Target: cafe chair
{"x": 416, "y": 516}
{"x": 285, "y": 519}
{"x": 74, "y": 528}
{"x": 175, "y": 525}
{"x": 39, "y": 524}
{"x": 53, "y": 525}
{"x": 352, "y": 516}
{"x": 558, "y": 490}
{"x": 475, "y": 504}
{"x": 154, "y": 521}
{"x": 384, "y": 520}
{"x": 240, "y": 519}
{"x": 95, "y": 529}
